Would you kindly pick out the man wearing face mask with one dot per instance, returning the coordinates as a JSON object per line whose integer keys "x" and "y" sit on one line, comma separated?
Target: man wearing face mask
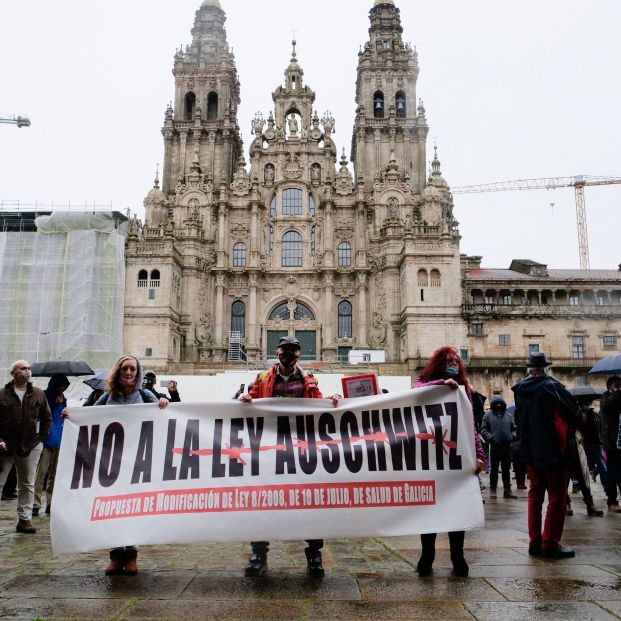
{"x": 285, "y": 379}
{"x": 25, "y": 421}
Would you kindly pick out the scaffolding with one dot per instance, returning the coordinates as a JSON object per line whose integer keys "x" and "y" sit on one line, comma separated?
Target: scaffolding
{"x": 63, "y": 289}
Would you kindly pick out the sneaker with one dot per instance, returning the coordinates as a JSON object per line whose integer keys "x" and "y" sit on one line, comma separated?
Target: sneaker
{"x": 492, "y": 493}
{"x": 35, "y": 511}
{"x": 614, "y": 508}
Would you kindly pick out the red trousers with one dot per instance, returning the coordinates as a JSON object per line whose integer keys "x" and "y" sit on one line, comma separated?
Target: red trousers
{"x": 554, "y": 481}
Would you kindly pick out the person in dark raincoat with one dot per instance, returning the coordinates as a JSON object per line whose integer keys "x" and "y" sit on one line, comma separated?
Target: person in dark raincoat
{"x": 548, "y": 415}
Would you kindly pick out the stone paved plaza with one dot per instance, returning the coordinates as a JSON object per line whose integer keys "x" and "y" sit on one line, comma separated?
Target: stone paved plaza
{"x": 365, "y": 579}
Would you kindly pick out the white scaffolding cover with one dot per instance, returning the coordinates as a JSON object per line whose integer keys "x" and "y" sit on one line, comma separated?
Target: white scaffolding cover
{"x": 62, "y": 290}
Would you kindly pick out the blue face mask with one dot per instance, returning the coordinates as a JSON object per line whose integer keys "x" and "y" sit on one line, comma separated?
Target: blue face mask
{"x": 451, "y": 372}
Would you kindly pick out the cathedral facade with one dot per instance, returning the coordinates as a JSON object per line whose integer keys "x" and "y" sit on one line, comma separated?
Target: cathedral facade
{"x": 235, "y": 253}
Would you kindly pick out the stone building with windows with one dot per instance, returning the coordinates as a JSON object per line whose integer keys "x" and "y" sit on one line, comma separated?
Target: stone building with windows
{"x": 235, "y": 253}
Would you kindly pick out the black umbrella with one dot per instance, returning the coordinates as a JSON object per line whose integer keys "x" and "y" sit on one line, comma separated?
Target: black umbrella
{"x": 66, "y": 367}
{"x": 587, "y": 391}
{"x": 98, "y": 382}
{"x": 610, "y": 365}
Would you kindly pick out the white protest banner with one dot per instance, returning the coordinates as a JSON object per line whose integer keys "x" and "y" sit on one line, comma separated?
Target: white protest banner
{"x": 392, "y": 464}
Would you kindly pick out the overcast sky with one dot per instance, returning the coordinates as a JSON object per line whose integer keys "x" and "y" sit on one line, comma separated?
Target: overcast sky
{"x": 513, "y": 90}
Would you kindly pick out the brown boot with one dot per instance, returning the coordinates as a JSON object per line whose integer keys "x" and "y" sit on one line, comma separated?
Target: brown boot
{"x": 25, "y": 526}
{"x": 115, "y": 567}
{"x": 131, "y": 565}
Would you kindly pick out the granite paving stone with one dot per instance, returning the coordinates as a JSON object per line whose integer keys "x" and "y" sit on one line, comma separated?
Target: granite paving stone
{"x": 551, "y": 589}
{"x": 409, "y": 587}
{"x": 275, "y": 585}
{"x": 367, "y": 578}
{"x": 389, "y": 611}
{"x": 82, "y": 609}
{"x": 538, "y": 611}
{"x": 216, "y": 609}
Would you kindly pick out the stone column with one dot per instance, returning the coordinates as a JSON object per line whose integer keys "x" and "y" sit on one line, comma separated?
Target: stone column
{"x": 252, "y": 311}
{"x": 362, "y": 311}
{"x": 182, "y": 146}
{"x": 219, "y": 324}
{"x": 329, "y": 237}
{"x": 328, "y": 319}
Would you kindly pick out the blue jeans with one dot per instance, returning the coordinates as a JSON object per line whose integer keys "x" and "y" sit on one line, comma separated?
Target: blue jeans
{"x": 596, "y": 462}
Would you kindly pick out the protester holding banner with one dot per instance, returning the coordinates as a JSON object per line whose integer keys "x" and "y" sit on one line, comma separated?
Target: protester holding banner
{"x": 446, "y": 367}
{"x": 124, "y": 388}
{"x": 285, "y": 379}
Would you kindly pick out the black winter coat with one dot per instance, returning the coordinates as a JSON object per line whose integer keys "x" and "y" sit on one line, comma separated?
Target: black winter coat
{"x": 548, "y": 414}
{"x": 610, "y": 411}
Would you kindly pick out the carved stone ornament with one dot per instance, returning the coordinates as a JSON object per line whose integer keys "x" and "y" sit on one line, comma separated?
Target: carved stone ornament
{"x": 380, "y": 329}
{"x": 292, "y": 168}
{"x": 241, "y": 182}
{"x": 203, "y": 335}
{"x": 239, "y": 230}
{"x": 345, "y": 230}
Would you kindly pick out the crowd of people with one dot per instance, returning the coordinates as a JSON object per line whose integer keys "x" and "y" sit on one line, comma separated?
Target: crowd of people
{"x": 548, "y": 437}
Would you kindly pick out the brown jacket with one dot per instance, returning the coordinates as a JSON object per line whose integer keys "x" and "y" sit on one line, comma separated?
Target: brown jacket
{"x": 18, "y": 421}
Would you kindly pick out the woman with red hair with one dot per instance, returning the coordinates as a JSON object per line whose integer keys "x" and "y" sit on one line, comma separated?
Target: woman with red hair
{"x": 446, "y": 367}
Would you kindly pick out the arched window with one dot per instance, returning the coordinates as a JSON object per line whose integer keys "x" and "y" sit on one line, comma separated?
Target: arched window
{"x": 378, "y": 105}
{"x": 400, "y": 105}
{"x": 143, "y": 277}
{"x": 435, "y": 278}
{"x": 292, "y": 249}
{"x": 344, "y": 252}
{"x": 303, "y": 312}
{"x": 422, "y": 278}
{"x": 273, "y": 208}
{"x": 292, "y": 202}
{"x": 238, "y": 318}
{"x": 280, "y": 312}
{"x": 311, "y": 206}
{"x": 212, "y": 106}
{"x": 239, "y": 255}
{"x": 190, "y": 105}
{"x": 345, "y": 320}
{"x": 155, "y": 278}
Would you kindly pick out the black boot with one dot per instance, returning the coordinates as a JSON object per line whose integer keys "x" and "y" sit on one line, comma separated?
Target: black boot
{"x": 257, "y": 563}
{"x": 460, "y": 567}
{"x": 313, "y": 563}
{"x": 425, "y": 564}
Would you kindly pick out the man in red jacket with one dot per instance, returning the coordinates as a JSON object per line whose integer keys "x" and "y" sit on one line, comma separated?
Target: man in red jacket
{"x": 285, "y": 379}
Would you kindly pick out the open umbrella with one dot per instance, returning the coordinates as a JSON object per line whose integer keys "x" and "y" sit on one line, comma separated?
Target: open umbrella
{"x": 586, "y": 391}
{"x": 98, "y": 382}
{"x": 610, "y": 365}
{"x": 66, "y": 367}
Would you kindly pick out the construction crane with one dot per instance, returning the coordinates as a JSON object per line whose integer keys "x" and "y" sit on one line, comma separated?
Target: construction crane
{"x": 20, "y": 121}
{"x": 578, "y": 182}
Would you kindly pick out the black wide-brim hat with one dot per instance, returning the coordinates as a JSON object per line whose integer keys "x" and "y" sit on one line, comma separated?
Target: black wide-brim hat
{"x": 539, "y": 360}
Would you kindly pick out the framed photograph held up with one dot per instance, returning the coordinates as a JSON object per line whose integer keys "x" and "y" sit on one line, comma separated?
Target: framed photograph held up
{"x": 360, "y": 385}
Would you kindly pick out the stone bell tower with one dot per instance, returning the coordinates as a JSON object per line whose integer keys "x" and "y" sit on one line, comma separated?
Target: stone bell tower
{"x": 389, "y": 125}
